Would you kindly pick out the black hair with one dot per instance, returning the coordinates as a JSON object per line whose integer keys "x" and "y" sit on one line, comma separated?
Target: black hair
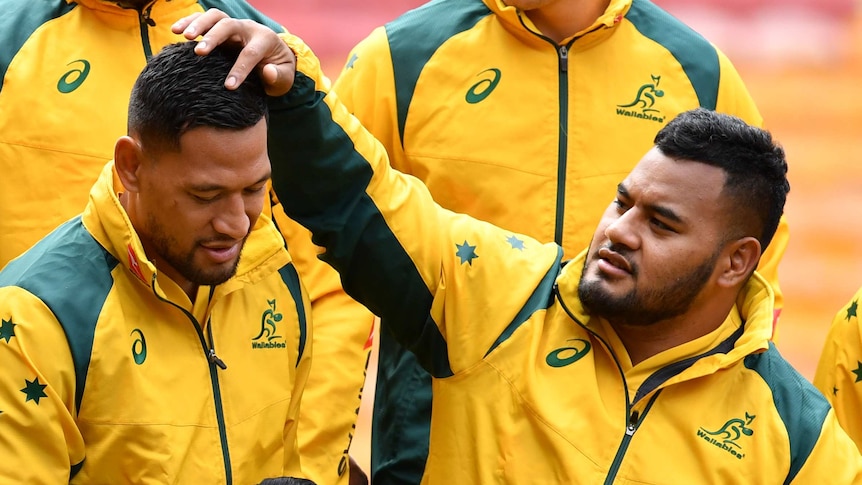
{"x": 286, "y": 481}
{"x": 755, "y": 165}
{"x": 179, "y": 90}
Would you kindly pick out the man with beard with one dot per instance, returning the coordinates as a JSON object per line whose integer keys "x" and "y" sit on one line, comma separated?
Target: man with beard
{"x": 525, "y": 114}
{"x": 162, "y": 336}
{"x": 66, "y": 70}
{"x": 646, "y": 359}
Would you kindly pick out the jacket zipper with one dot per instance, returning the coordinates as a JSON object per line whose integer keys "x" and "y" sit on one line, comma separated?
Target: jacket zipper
{"x": 214, "y": 363}
{"x": 563, "y": 146}
{"x": 145, "y": 22}
{"x": 222, "y": 431}
{"x": 634, "y": 422}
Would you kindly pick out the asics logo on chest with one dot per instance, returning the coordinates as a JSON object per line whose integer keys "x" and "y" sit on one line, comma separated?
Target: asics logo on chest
{"x": 74, "y": 77}
{"x": 564, "y": 356}
{"x": 139, "y": 346}
{"x": 484, "y": 87}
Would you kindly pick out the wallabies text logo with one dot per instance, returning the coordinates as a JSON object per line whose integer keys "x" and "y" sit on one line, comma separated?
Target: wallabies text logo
{"x": 728, "y": 436}
{"x": 643, "y": 106}
{"x": 269, "y": 330}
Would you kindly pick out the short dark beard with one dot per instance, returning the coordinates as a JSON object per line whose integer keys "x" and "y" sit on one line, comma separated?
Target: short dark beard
{"x": 183, "y": 263}
{"x": 649, "y": 307}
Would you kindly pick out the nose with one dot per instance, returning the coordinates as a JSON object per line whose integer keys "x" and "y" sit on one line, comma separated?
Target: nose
{"x": 624, "y": 230}
{"x": 233, "y": 218}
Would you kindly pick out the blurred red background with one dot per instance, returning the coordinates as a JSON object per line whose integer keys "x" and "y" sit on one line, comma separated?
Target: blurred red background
{"x": 802, "y": 62}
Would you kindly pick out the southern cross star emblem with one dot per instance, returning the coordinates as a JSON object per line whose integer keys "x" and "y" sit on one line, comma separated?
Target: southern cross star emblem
{"x": 466, "y": 253}
{"x": 851, "y": 310}
{"x": 7, "y": 330}
{"x": 34, "y": 390}
{"x": 515, "y": 243}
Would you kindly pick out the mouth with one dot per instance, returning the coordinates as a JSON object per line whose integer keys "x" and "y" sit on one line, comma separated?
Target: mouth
{"x": 222, "y": 252}
{"x": 613, "y": 263}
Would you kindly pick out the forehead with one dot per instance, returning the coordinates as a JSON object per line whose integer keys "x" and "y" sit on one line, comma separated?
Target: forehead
{"x": 218, "y": 156}
{"x": 685, "y": 186}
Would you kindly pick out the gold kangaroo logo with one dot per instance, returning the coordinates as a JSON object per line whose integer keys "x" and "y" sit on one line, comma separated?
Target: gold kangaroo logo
{"x": 268, "y": 321}
{"x": 645, "y": 98}
{"x": 733, "y": 430}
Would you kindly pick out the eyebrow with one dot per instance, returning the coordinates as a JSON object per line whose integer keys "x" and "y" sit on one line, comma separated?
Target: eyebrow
{"x": 214, "y": 187}
{"x": 661, "y": 210}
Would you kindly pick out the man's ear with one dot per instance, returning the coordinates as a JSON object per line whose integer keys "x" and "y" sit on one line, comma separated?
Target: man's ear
{"x": 739, "y": 259}
{"x": 128, "y": 157}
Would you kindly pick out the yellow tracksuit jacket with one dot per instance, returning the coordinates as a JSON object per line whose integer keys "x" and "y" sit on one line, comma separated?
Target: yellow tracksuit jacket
{"x": 528, "y": 389}
{"x": 67, "y": 69}
{"x": 110, "y": 374}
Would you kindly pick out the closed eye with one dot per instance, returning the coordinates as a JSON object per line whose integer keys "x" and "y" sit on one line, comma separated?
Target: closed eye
{"x": 661, "y": 225}
{"x": 205, "y": 198}
{"x": 255, "y": 190}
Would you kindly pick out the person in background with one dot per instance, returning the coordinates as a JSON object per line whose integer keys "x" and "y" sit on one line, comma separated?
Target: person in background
{"x": 162, "y": 336}
{"x": 526, "y": 114}
{"x": 552, "y": 372}
{"x": 839, "y": 370}
{"x": 67, "y": 68}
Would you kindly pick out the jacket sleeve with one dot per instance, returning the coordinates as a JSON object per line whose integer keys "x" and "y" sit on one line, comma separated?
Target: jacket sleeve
{"x": 834, "y": 459}
{"x": 39, "y": 437}
{"x": 442, "y": 274}
{"x": 734, "y": 99}
{"x": 839, "y": 369}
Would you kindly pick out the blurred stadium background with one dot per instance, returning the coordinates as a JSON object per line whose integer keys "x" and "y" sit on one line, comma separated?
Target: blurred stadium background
{"x": 802, "y": 62}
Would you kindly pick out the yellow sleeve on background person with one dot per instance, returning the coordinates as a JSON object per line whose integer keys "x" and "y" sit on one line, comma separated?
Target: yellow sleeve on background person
{"x": 376, "y": 112}
{"x": 340, "y": 352}
{"x": 839, "y": 370}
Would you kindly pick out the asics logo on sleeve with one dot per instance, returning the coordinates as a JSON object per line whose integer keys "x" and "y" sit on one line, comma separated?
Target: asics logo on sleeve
{"x": 139, "y": 346}
{"x": 74, "y": 78}
{"x": 568, "y": 355}
{"x": 482, "y": 89}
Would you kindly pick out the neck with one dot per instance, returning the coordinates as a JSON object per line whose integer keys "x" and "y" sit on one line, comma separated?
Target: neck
{"x": 562, "y": 19}
{"x": 644, "y": 341}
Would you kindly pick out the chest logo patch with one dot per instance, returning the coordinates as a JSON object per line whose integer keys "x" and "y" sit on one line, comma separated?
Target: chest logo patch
{"x": 728, "y": 436}
{"x": 75, "y": 77}
{"x": 568, "y": 355}
{"x": 483, "y": 88}
{"x": 269, "y": 329}
{"x": 643, "y": 105}
{"x": 139, "y": 346}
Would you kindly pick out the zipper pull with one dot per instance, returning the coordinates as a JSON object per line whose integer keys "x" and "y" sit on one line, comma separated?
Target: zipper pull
{"x": 213, "y": 358}
{"x": 633, "y": 423}
{"x": 564, "y": 58}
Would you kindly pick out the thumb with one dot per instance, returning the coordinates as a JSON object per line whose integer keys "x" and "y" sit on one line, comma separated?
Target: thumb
{"x": 278, "y": 78}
